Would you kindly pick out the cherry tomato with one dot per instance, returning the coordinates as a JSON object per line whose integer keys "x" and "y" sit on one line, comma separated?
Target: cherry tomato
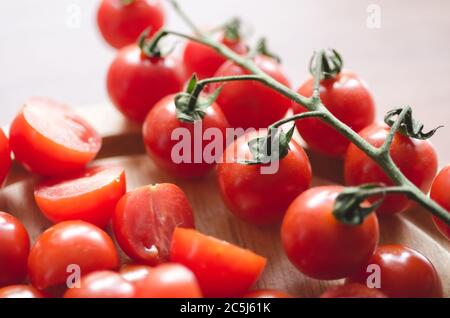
{"x": 352, "y": 291}
{"x": 102, "y": 284}
{"x": 121, "y": 23}
{"x": 89, "y": 196}
{"x": 415, "y": 158}
{"x": 318, "y": 244}
{"x": 256, "y": 197}
{"x": 136, "y": 275}
{"x": 403, "y": 273}
{"x": 14, "y": 249}
{"x": 20, "y": 291}
{"x": 49, "y": 139}
{"x": 5, "y": 157}
{"x": 249, "y": 104}
{"x": 159, "y": 129}
{"x": 267, "y": 293}
{"x": 439, "y": 193}
{"x": 70, "y": 243}
{"x": 145, "y": 218}
{"x": 222, "y": 269}
{"x": 136, "y": 82}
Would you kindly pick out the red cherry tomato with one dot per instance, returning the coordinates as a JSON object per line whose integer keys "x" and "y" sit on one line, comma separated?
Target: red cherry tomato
{"x": 14, "y": 249}
{"x": 121, "y": 24}
{"x": 162, "y": 123}
{"x": 267, "y": 293}
{"x": 347, "y": 98}
{"x": 136, "y": 83}
{"x": 89, "y": 196}
{"x": 20, "y": 291}
{"x": 70, "y": 243}
{"x": 136, "y": 275}
{"x": 415, "y": 158}
{"x": 5, "y": 157}
{"x": 318, "y": 244}
{"x": 352, "y": 291}
{"x": 102, "y": 284}
{"x": 403, "y": 273}
{"x": 49, "y": 139}
{"x": 222, "y": 269}
{"x": 145, "y": 219}
{"x": 256, "y": 197}
{"x": 249, "y": 104}
{"x": 439, "y": 193}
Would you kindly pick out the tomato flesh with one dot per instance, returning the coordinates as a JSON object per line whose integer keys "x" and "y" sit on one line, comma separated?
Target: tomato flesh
{"x": 439, "y": 193}
{"x": 20, "y": 291}
{"x": 5, "y": 157}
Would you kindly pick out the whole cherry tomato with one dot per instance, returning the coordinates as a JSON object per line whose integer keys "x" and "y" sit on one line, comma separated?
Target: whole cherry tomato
{"x": 145, "y": 218}
{"x": 136, "y": 275}
{"x": 256, "y": 197}
{"x": 20, "y": 291}
{"x": 136, "y": 82}
{"x": 222, "y": 269}
{"x": 5, "y": 157}
{"x": 348, "y": 99}
{"x": 102, "y": 284}
{"x": 267, "y": 293}
{"x": 402, "y": 273}
{"x": 122, "y": 21}
{"x": 14, "y": 249}
{"x": 70, "y": 243}
{"x": 163, "y": 146}
{"x": 318, "y": 244}
{"x": 249, "y": 104}
{"x": 439, "y": 193}
{"x": 352, "y": 290}
{"x": 49, "y": 139}
{"x": 415, "y": 158}
{"x": 89, "y": 196}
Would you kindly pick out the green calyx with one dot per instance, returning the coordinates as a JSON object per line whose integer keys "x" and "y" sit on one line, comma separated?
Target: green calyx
{"x": 332, "y": 64}
{"x": 261, "y": 48}
{"x": 232, "y": 30}
{"x": 126, "y": 2}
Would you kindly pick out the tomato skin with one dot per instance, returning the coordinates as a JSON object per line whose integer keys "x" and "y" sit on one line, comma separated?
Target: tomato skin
{"x": 14, "y": 249}
{"x": 161, "y": 123}
{"x": 318, "y": 244}
{"x": 439, "y": 193}
{"x": 266, "y": 293}
{"x": 136, "y": 83}
{"x": 136, "y": 275}
{"x": 249, "y": 104}
{"x": 261, "y": 198}
{"x": 121, "y": 24}
{"x": 352, "y": 290}
{"x": 222, "y": 269}
{"x": 5, "y": 157}
{"x": 102, "y": 284}
{"x": 145, "y": 219}
{"x": 20, "y": 291}
{"x": 89, "y": 196}
{"x": 416, "y": 159}
{"x": 404, "y": 273}
{"x": 66, "y": 243}
{"x": 49, "y": 139}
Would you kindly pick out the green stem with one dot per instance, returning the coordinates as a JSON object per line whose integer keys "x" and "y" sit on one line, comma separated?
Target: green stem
{"x": 186, "y": 18}
{"x": 295, "y": 118}
{"x": 390, "y": 137}
{"x": 318, "y": 75}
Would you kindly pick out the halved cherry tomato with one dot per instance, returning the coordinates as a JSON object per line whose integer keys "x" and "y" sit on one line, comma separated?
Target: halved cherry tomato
{"x": 145, "y": 218}
{"x": 14, "y": 249}
{"x": 49, "y": 139}
{"x": 20, "y": 291}
{"x": 102, "y": 284}
{"x": 352, "y": 290}
{"x": 121, "y": 23}
{"x": 5, "y": 157}
{"x": 267, "y": 293}
{"x": 89, "y": 196}
{"x": 403, "y": 273}
{"x": 415, "y": 158}
{"x": 439, "y": 193}
{"x": 70, "y": 243}
{"x": 222, "y": 269}
{"x": 136, "y": 82}
{"x": 318, "y": 244}
{"x": 256, "y": 197}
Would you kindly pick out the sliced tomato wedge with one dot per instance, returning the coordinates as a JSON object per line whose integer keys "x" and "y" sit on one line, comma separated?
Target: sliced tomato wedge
{"x": 5, "y": 157}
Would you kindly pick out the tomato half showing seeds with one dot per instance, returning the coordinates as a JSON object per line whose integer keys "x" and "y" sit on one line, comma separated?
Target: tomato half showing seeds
{"x": 68, "y": 244}
{"x": 14, "y": 249}
{"x": 5, "y": 157}
{"x": 145, "y": 218}
{"x": 402, "y": 273}
{"x": 167, "y": 147}
{"x": 439, "y": 193}
{"x": 352, "y": 290}
{"x": 49, "y": 139}
{"x": 256, "y": 197}
{"x": 89, "y": 196}
{"x": 415, "y": 158}
{"x": 222, "y": 269}
{"x": 267, "y": 293}
{"x": 318, "y": 244}
{"x": 20, "y": 291}
{"x": 121, "y": 23}
{"x": 102, "y": 284}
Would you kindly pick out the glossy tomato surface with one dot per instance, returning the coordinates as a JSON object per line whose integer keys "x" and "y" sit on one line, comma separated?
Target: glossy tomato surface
{"x": 136, "y": 275}
{"x": 89, "y": 196}
{"x": 267, "y": 293}
{"x": 222, "y": 269}
{"x": 49, "y": 139}
{"x": 20, "y": 291}
{"x": 5, "y": 157}
{"x": 352, "y": 290}
{"x": 318, "y": 244}
{"x": 440, "y": 193}
{"x": 415, "y": 158}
